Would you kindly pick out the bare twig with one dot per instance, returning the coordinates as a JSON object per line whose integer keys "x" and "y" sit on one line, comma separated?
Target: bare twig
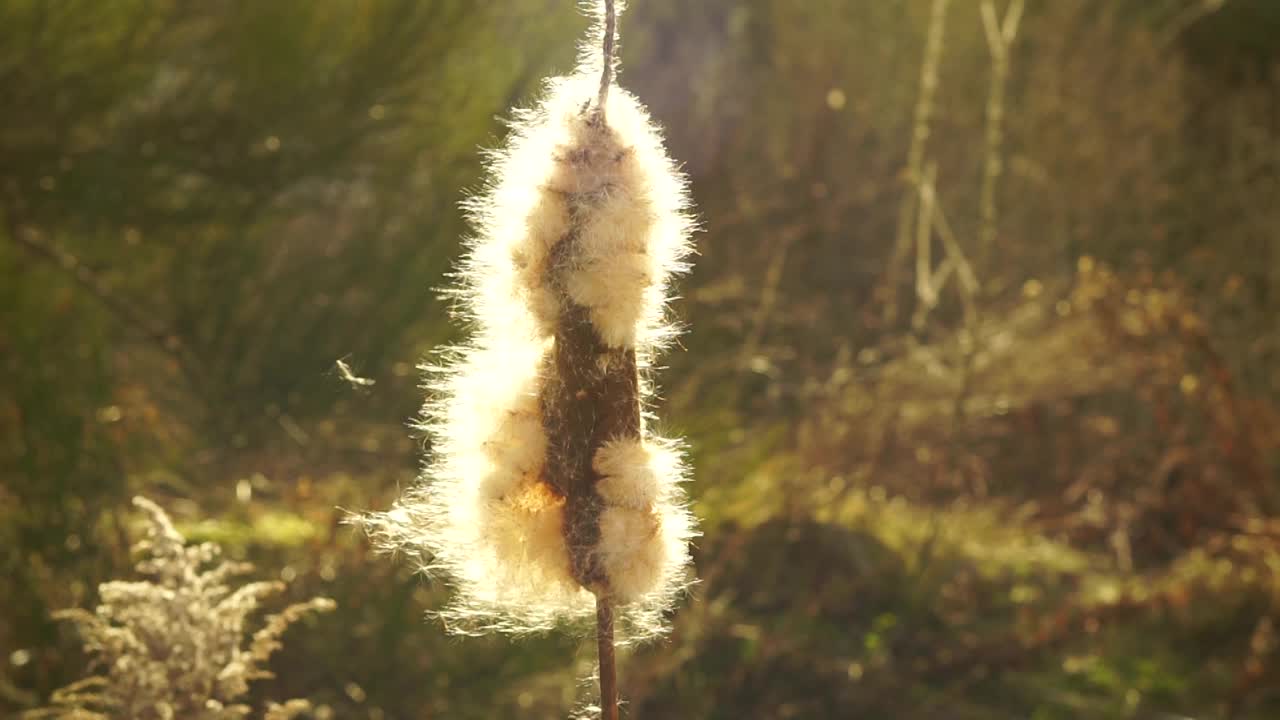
{"x": 964, "y": 269}
{"x": 1000, "y": 35}
{"x": 49, "y": 251}
{"x": 34, "y": 244}
{"x": 915, "y": 155}
{"x": 929, "y": 282}
{"x": 927, "y": 294}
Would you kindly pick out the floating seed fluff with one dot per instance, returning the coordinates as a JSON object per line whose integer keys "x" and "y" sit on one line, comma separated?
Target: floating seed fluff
{"x": 546, "y": 488}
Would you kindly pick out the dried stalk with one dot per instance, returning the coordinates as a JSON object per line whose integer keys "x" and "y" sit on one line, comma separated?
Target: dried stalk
{"x": 1000, "y": 35}
{"x": 929, "y": 282}
{"x": 610, "y": 36}
{"x": 608, "y": 667}
{"x": 915, "y": 155}
{"x": 926, "y": 291}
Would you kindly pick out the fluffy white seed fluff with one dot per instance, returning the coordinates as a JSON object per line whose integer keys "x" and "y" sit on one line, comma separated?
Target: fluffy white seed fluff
{"x": 644, "y": 529}
{"x": 485, "y": 515}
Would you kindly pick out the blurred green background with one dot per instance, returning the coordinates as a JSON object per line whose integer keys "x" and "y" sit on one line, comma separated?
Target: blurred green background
{"x": 1024, "y": 467}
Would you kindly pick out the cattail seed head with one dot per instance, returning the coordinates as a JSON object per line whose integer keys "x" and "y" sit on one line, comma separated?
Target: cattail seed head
{"x": 546, "y": 488}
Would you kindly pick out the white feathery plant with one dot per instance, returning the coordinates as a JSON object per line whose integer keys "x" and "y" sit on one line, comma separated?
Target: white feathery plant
{"x": 173, "y": 647}
{"x": 548, "y": 495}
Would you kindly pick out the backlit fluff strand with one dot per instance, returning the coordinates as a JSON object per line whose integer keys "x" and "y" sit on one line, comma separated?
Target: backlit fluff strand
{"x": 546, "y": 488}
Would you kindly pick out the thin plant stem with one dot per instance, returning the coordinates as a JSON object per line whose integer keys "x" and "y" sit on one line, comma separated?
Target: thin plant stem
{"x": 608, "y": 666}
{"x": 926, "y": 291}
{"x": 1000, "y": 35}
{"x": 606, "y": 72}
{"x": 915, "y": 154}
